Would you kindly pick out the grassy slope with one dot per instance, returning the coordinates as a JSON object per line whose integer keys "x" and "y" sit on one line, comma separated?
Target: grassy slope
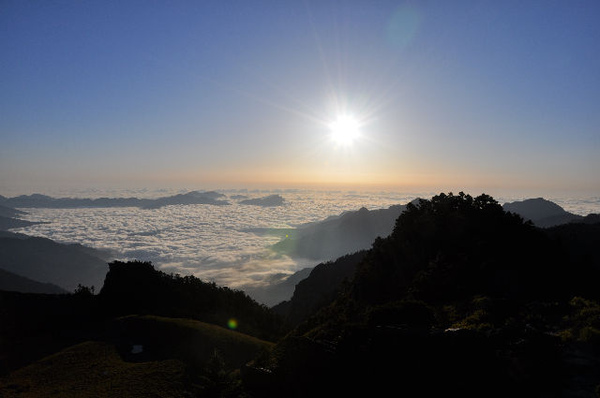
{"x": 171, "y": 348}
{"x": 94, "y": 369}
{"x": 189, "y": 340}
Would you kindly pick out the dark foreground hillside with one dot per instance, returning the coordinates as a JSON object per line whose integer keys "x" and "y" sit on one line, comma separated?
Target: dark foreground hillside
{"x": 137, "y": 288}
{"x": 462, "y": 299}
{"x": 147, "y": 333}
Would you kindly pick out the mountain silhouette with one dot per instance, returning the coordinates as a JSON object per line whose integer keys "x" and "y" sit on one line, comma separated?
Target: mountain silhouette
{"x": 7, "y": 223}
{"x": 267, "y": 201}
{"x": 190, "y": 198}
{"x": 337, "y": 236}
{"x": 46, "y": 261}
{"x": 44, "y": 201}
{"x": 10, "y": 218}
{"x": 15, "y": 283}
{"x": 460, "y": 297}
{"x": 356, "y": 230}
{"x": 543, "y": 213}
{"x": 9, "y": 211}
{"x": 318, "y": 289}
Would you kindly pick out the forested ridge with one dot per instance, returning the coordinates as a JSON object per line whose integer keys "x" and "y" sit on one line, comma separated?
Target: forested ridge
{"x": 462, "y": 298}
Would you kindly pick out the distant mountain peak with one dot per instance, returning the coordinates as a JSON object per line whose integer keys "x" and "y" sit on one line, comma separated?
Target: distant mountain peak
{"x": 542, "y": 212}
{"x": 267, "y": 201}
{"x": 43, "y": 201}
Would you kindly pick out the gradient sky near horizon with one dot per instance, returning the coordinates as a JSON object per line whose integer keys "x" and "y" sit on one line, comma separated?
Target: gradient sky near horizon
{"x": 460, "y": 94}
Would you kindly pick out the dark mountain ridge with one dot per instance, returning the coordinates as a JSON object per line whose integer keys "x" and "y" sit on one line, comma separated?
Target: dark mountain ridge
{"x": 8, "y": 211}
{"x": 543, "y": 213}
{"x": 267, "y": 201}
{"x": 15, "y": 283}
{"x": 46, "y": 261}
{"x": 44, "y": 201}
{"x": 10, "y": 218}
{"x": 319, "y": 289}
{"x": 460, "y": 297}
{"x": 337, "y": 236}
{"x": 137, "y": 305}
{"x": 356, "y": 230}
{"x": 7, "y": 223}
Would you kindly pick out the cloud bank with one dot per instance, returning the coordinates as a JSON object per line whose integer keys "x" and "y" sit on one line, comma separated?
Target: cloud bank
{"x": 226, "y": 244}
{"x": 229, "y": 245}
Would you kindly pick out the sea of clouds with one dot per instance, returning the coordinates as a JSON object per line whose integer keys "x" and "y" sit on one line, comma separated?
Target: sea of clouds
{"x": 225, "y": 244}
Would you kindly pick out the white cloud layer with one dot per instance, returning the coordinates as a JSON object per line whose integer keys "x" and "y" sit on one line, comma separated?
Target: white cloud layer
{"x": 225, "y": 244}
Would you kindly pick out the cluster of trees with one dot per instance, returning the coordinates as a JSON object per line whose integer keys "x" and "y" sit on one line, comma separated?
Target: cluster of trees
{"x": 453, "y": 247}
{"x": 35, "y": 325}
{"x": 462, "y": 298}
{"x": 138, "y": 288}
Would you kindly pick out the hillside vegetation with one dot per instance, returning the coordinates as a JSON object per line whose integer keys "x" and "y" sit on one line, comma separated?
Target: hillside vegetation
{"x": 172, "y": 317}
{"x": 137, "y": 288}
{"x": 142, "y": 356}
{"x": 191, "y": 341}
{"x": 461, "y": 299}
{"x": 95, "y": 369}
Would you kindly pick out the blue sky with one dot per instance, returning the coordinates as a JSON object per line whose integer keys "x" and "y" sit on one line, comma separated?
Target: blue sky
{"x": 449, "y": 95}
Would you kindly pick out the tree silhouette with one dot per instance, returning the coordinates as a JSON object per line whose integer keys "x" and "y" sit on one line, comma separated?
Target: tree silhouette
{"x": 137, "y": 288}
{"x": 455, "y": 246}
{"x": 454, "y": 302}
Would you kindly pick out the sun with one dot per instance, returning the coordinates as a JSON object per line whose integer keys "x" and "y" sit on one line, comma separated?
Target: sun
{"x": 345, "y": 129}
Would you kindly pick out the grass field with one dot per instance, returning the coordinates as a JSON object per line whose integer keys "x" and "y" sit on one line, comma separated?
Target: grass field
{"x": 170, "y": 348}
{"x": 95, "y": 369}
{"x": 191, "y": 341}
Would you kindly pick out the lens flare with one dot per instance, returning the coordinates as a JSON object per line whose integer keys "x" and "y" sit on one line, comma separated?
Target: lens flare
{"x": 232, "y": 323}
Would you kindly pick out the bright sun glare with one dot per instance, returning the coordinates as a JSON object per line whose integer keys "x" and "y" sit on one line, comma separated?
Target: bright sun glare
{"x": 345, "y": 130}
